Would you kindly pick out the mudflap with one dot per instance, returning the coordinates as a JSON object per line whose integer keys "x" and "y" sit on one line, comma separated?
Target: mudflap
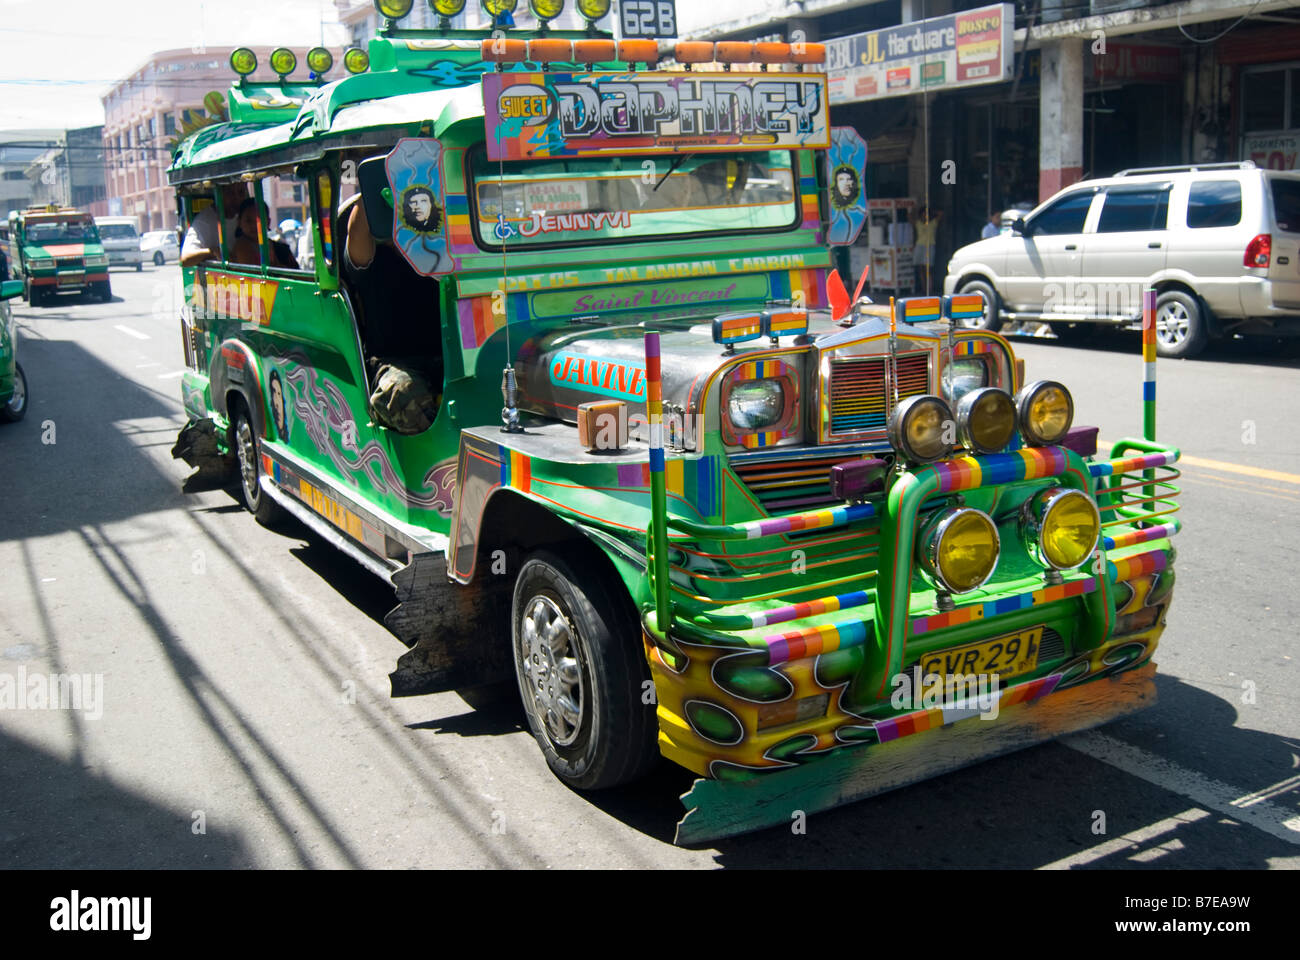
{"x": 728, "y": 808}
{"x": 198, "y": 446}
{"x": 459, "y": 635}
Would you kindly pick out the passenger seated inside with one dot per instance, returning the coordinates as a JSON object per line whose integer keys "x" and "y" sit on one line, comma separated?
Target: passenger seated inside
{"x": 245, "y": 249}
{"x": 399, "y": 318}
{"x": 201, "y": 239}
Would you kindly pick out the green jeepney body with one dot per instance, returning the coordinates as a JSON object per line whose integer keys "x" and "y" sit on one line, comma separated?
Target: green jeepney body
{"x": 798, "y": 623}
{"x": 56, "y": 249}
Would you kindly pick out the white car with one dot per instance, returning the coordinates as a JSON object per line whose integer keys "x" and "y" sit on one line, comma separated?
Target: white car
{"x": 160, "y": 246}
{"x": 1219, "y": 243}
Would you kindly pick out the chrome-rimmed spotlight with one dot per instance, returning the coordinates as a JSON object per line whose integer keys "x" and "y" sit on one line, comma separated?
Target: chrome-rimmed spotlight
{"x": 922, "y": 429}
{"x": 986, "y": 418}
{"x": 1059, "y": 527}
{"x": 958, "y": 549}
{"x": 1044, "y": 412}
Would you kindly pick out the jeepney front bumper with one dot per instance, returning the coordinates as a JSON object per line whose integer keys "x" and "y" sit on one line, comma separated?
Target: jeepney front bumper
{"x": 846, "y": 672}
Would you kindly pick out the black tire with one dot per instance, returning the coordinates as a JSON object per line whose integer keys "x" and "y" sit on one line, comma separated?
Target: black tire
{"x": 105, "y": 291}
{"x": 1181, "y": 330}
{"x": 596, "y": 644}
{"x": 27, "y": 290}
{"x": 138, "y": 266}
{"x": 992, "y": 320}
{"x": 1073, "y": 332}
{"x": 158, "y": 259}
{"x": 248, "y": 457}
{"x": 16, "y": 407}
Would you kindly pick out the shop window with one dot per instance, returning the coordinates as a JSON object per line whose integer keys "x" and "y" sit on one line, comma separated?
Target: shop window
{"x": 1264, "y": 100}
{"x": 1065, "y": 216}
{"x": 1214, "y": 203}
{"x": 1125, "y": 211}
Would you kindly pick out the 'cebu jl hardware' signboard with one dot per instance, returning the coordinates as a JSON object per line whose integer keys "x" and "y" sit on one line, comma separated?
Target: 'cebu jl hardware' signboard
{"x": 539, "y": 115}
{"x": 959, "y": 50}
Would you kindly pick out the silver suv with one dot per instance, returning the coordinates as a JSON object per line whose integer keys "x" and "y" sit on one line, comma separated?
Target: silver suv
{"x": 1219, "y": 242}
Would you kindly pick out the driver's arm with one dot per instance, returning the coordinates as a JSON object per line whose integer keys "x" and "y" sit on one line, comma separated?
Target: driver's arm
{"x": 360, "y": 248}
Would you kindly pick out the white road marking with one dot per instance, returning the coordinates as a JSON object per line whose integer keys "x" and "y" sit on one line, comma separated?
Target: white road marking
{"x": 173, "y": 375}
{"x": 1128, "y": 841}
{"x": 143, "y": 366}
{"x": 1252, "y": 809}
{"x": 1268, "y": 793}
{"x": 133, "y": 333}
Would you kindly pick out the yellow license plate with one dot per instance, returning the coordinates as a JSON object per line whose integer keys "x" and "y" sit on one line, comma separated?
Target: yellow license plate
{"x": 1009, "y": 656}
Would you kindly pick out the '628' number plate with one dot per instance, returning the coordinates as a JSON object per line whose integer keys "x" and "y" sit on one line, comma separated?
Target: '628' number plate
{"x": 1008, "y": 656}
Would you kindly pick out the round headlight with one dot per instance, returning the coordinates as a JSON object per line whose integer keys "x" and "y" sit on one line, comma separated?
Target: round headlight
{"x": 593, "y": 10}
{"x": 356, "y": 60}
{"x": 243, "y": 61}
{"x": 922, "y": 429}
{"x": 756, "y": 404}
{"x": 987, "y": 419}
{"x": 1060, "y": 527}
{"x": 960, "y": 377}
{"x": 1045, "y": 411}
{"x": 546, "y": 9}
{"x": 394, "y": 9}
{"x": 958, "y": 549}
{"x": 496, "y": 8}
{"x": 319, "y": 61}
{"x": 448, "y": 8}
{"x": 283, "y": 61}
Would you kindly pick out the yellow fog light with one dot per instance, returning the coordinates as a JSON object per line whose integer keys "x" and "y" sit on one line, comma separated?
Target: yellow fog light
{"x": 987, "y": 419}
{"x": 1060, "y": 527}
{"x": 1045, "y": 411}
{"x": 394, "y": 9}
{"x": 922, "y": 429}
{"x": 593, "y": 10}
{"x": 319, "y": 61}
{"x": 497, "y": 8}
{"x": 546, "y": 10}
{"x": 283, "y": 61}
{"x": 958, "y": 549}
{"x": 356, "y": 60}
{"x": 448, "y": 8}
{"x": 243, "y": 61}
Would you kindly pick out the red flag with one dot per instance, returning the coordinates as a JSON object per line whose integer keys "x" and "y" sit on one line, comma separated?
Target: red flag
{"x": 862, "y": 281}
{"x": 837, "y": 295}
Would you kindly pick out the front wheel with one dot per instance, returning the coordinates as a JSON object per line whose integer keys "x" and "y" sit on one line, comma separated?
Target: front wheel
{"x": 581, "y": 676}
{"x": 1180, "y": 325}
{"x": 247, "y": 449}
{"x": 158, "y": 259}
{"x": 16, "y": 406}
{"x": 992, "y": 320}
{"x": 138, "y": 266}
{"x": 104, "y": 291}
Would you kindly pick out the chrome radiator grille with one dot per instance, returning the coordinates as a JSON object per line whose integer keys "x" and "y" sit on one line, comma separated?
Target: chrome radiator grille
{"x": 859, "y": 395}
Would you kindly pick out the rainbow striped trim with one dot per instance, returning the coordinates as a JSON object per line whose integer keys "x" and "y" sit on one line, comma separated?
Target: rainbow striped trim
{"x": 1138, "y": 565}
{"x": 460, "y": 235}
{"x": 1105, "y": 468}
{"x": 768, "y": 438}
{"x": 992, "y": 608}
{"x": 758, "y": 370}
{"x": 1149, "y": 333}
{"x": 919, "y": 721}
{"x": 812, "y": 641}
{"x": 811, "y": 608}
{"x": 785, "y": 323}
{"x": 812, "y": 215}
{"x": 654, "y": 406}
{"x": 967, "y": 473}
{"x": 478, "y": 321}
{"x": 737, "y": 327}
{"x": 516, "y": 469}
{"x": 800, "y": 286}
{"x": 1134, "y": 537}
{"x": 814, "y": 519}
{"x": 696, "y": 481}
{"x": 970, "y": 347}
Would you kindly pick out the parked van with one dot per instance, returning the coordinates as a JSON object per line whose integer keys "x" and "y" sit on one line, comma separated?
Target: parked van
{"x": 1219, "y": 242}
{"x": 121, "y": 237}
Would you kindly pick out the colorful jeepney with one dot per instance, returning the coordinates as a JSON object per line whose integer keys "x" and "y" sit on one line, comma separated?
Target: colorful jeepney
{"x": 689, "y": 494}
{"x": 57, "y": 249}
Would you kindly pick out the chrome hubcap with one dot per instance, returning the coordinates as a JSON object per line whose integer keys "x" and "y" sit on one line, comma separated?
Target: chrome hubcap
{"x": 248, "y": 460}
{"x": 1172, "y": 323}
{"x": 551, "y": 669}
{"x": 18, "y": 399}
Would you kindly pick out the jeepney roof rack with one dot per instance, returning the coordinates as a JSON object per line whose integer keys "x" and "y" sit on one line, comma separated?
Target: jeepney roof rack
{"x": 1189, "y": 168}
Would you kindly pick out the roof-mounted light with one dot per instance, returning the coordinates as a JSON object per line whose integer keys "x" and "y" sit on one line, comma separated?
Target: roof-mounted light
{"x": 693, "y": 51}
{"x": 639, "y": 51}
{"x": 503, "y": 50}
{"x": 594, "y": 51}
{"x": 356, "y": 60}
{"x": 733, "y": 51}
{"x": 593, "y": 10}
{"x": 550, "y": 50}
{"x": 447, "y": 8}
{"x": 283, "y": 61}
{"x": 730, "y": 329}
{"x": 243, "y": 61}
{"x": 808, "y": 53}
{"x": 501, "y": 11}
{"x": 546, "y": 10}
{"x": 319, "y": 61}
{"x": 394, "y": 9}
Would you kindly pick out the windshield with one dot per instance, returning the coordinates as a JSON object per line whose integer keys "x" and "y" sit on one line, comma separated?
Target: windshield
{"x": 61, "y": 233}
{"x": 117, "y": 231}
{"x": 619, "y": 198}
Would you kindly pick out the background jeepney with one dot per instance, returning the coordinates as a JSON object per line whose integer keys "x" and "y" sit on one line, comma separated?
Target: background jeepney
{"x": 812, "y": 501}
{"x": 57, "y": 250}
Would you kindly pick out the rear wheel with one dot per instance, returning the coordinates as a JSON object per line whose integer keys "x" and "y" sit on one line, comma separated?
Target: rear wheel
{"x": 138, "y": 266}
{"x": 581, "y": 676}
{"x": 158, "y": 259}
{"x": 16, "y": 406}
{"x": 1180, "y": 325}
{"x": 991, "y": 320}
{"x": 248, "y": 453}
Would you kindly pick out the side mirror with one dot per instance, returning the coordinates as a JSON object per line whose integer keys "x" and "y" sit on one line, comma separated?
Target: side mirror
{"x": 10, "y": 289}
{"x": 1018, "y": 227}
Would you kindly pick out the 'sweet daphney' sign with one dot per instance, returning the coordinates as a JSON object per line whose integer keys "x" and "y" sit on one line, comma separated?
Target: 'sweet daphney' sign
{"x": 590, "y": 114}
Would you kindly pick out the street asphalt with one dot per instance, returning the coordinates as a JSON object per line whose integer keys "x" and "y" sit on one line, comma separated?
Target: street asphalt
{"x": 246, "y": 720}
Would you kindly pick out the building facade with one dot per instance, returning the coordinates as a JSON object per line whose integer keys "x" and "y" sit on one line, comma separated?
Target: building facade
{"x": 19, "y": 149}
